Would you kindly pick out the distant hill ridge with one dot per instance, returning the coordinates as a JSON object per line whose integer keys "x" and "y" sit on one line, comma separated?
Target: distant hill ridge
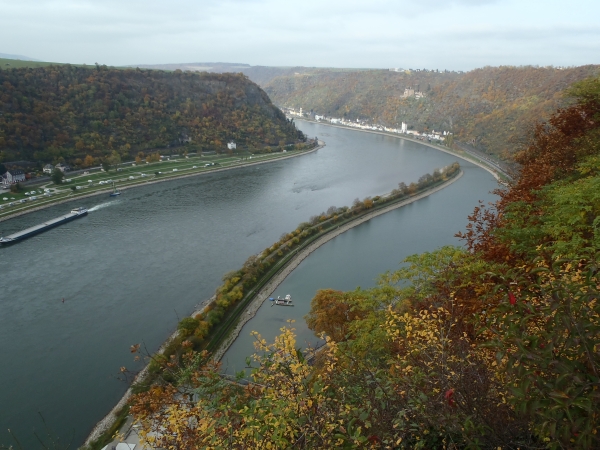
{"x": 261, "y": 75}
{"x": 216, "y": 67}
{"x": 21, "y": 57}
{"x": 493, "y": 108}
{"x": 68, "y": 112}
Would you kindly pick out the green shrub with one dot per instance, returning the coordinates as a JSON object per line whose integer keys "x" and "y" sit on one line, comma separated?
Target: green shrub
{"x": 214, "y": 316}
{"x": 187, "y": 325}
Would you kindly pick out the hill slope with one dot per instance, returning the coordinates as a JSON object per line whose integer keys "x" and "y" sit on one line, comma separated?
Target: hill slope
{"x": 68, "y": 112}
{"x": 20, "y": 57}
{"x": 491, "y": 107}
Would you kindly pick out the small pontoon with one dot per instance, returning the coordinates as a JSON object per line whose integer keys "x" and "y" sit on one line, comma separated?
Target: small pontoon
{"x": 286, "y": 301}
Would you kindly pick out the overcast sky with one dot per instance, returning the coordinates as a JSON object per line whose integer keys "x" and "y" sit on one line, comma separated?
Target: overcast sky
{"x": 433, "y": 34}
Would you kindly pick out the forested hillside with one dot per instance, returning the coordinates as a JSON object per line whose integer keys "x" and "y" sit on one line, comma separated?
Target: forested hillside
{"x": 496, "y": 345}
{"x": 493, "y": 107}
{"x": 56, "y": 113}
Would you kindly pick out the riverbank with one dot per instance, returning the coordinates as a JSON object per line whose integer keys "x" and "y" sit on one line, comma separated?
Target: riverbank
{"x": 170, "y": 177}
{"x": 495, "y": 171}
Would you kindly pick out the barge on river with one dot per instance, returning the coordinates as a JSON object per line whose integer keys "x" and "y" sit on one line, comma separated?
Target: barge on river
{"x": 28, "y": 232}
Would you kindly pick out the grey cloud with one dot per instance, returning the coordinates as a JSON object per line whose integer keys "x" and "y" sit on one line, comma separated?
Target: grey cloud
{"x": 350, "y": 33}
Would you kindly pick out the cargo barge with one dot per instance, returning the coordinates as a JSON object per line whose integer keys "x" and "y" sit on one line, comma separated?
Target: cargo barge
{"x": 28, "y": 232}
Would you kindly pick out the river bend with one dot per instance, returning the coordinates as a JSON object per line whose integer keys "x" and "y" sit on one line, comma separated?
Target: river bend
{"x": 136, "y": 264}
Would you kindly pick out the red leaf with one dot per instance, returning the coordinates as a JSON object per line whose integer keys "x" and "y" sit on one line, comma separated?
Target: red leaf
{"x": 512, "y": 298}
{"x": 449, "y": 396}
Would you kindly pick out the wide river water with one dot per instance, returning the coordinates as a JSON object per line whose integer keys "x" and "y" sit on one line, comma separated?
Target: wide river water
{"x": 135, "y": 265}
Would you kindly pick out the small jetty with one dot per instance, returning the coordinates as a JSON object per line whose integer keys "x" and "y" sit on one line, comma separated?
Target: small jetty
{"x": 28, "y": 232}
{"x": 286, "y": 301}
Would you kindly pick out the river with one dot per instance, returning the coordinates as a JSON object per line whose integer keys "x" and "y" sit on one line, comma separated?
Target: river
{"x": 136, "y": 264}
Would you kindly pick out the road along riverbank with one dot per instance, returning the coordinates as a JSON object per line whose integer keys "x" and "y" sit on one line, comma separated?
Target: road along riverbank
{"x": 170, "y": 177}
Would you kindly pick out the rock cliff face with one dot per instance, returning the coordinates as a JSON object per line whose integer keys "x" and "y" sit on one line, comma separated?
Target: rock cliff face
{"x": 70, "y": 112}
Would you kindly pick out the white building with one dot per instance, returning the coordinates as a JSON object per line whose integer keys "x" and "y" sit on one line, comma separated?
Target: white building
{"x": 48, "y": 168}
{"x": 231, "y": 145}
{"x": 404, "y": 128}
{"x": 12, "y": 177}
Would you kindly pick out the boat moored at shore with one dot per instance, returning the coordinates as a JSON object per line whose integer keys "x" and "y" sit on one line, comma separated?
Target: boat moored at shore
{"x": 286, "y": 301}
{"x": 115, "y": 191}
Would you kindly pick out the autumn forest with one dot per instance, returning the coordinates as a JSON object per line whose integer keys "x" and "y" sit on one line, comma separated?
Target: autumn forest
{"x": 493, "y": 108}
{"x": 492, "y": 344}
{"x": 67, "y": 113}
